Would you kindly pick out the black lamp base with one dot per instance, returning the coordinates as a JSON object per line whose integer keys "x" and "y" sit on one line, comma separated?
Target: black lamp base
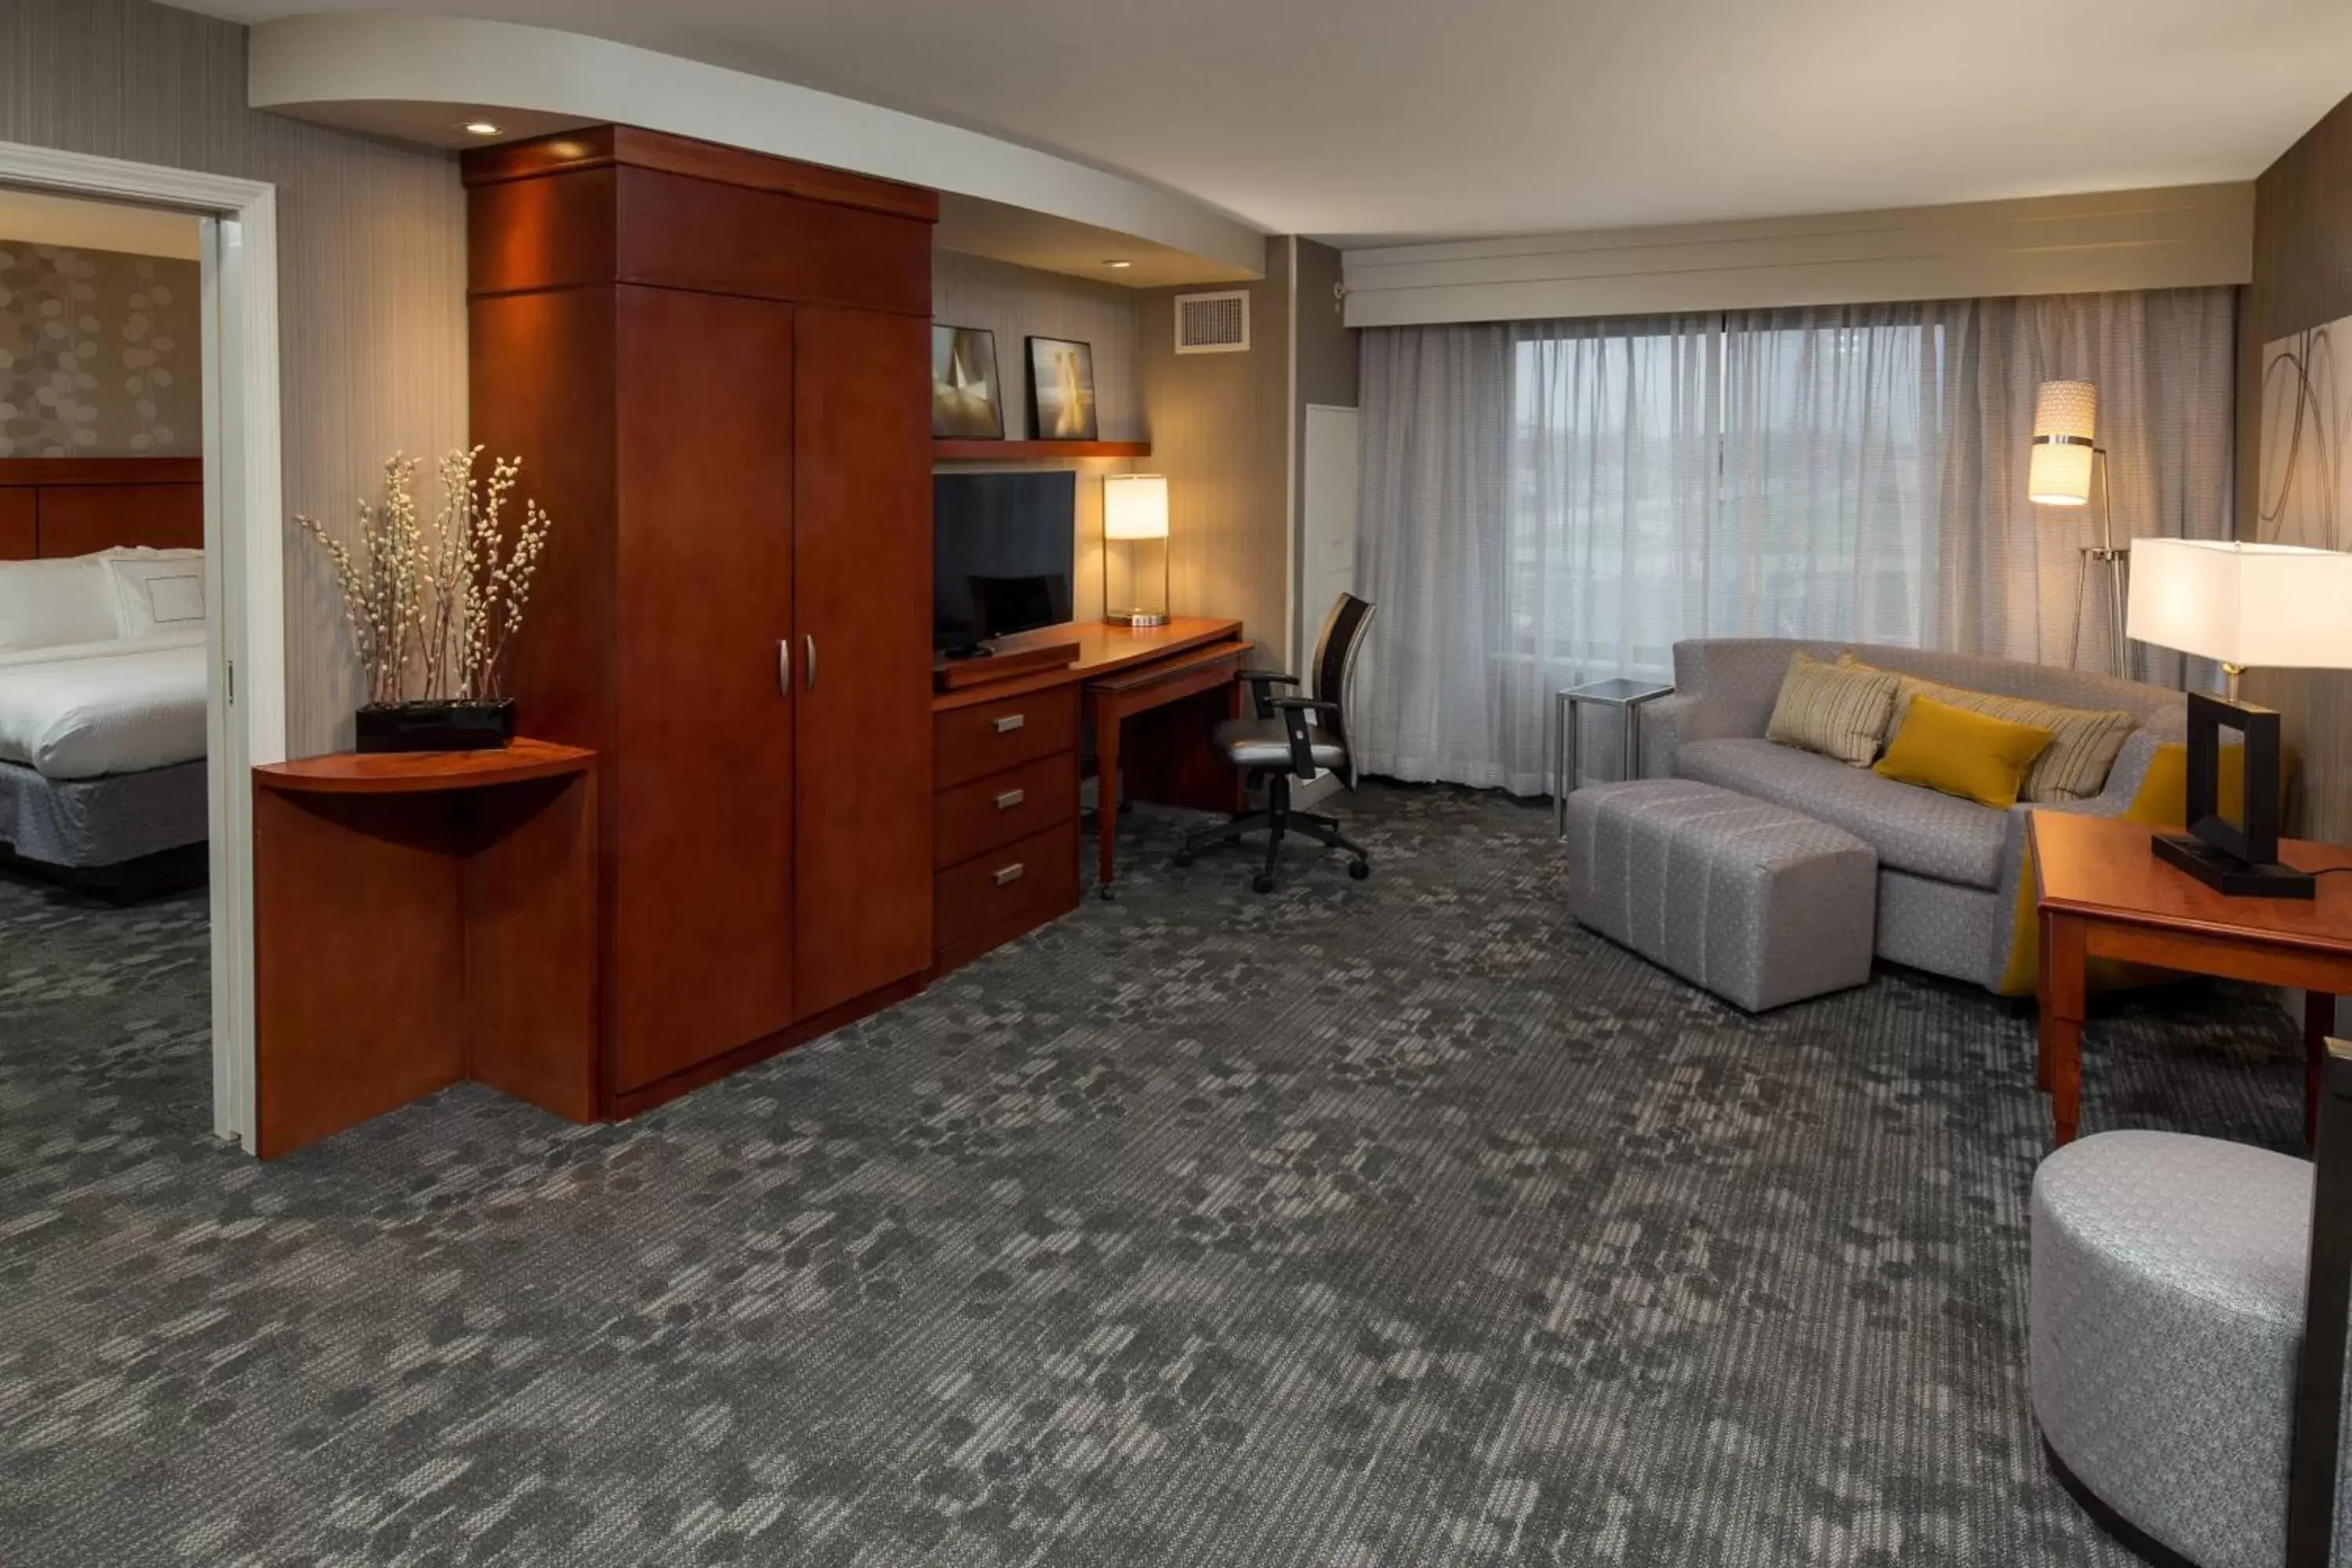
{"x": 2225, "y": 873}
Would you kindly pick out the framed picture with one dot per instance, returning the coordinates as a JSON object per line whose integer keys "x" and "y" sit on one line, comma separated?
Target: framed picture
{"x": 1061, "y": 390}
{"x": 965, "y": 405}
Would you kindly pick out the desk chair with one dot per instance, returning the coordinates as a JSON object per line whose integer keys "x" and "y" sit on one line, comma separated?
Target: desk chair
{"x": 1293, "y": 737}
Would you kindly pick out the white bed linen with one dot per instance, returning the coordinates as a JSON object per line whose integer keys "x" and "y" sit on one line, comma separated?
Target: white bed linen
{"x": 115, "y": 707}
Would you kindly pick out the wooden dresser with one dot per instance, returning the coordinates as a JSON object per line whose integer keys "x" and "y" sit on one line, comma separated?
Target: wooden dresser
{"x": 1004, "y": 816}
{"x": 1007, "y": 761}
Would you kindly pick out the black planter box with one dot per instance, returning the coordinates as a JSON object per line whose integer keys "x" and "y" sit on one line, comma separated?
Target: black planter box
{"x": 435, "y": 726}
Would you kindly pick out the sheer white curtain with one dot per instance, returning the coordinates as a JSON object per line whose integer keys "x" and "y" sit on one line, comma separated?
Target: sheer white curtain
{"x": 1535, "y": 510}
{"x": 1550, "y": 503}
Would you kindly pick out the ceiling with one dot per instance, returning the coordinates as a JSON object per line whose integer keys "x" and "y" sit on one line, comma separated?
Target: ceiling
{"x": 1391, "y": 119}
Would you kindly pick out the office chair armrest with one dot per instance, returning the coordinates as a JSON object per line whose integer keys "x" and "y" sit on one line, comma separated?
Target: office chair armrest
{"x": 1261, "y": 683}
{"x": 1294, "y": 711}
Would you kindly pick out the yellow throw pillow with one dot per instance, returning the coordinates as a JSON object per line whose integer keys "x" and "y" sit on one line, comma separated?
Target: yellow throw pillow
{"x": 1972, "y": 755}
{"x": 2083, "y": 741}
{"x": 1841, "y": 714}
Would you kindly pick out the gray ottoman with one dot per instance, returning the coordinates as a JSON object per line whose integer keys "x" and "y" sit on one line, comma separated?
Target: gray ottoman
{"x": 1760, "y": 904}
{"x": 2167, "y": 1316}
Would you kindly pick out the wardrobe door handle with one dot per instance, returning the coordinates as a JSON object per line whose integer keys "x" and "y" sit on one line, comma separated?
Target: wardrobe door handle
{"x": 1008, "y": 875}
{"x": 784, "y": 666}
{"x": 1010, "y": 722}
{"x": 1011, "y": 798}
{"x": 809, "y": 642}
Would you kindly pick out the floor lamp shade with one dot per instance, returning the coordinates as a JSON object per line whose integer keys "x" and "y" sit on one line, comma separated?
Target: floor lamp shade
{"x": 2065, "y": 437}
{"x": 2279, "y": 605}
{"x": 1135, "y": 549}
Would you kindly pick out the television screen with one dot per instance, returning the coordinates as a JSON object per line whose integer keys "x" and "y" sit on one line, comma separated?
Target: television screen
{"x": 1002, "y": 550}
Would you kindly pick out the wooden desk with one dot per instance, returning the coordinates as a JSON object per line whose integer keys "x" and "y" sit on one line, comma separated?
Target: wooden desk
{"x": 1175, "y": 764}
{"x": 422, "y": 918}
{"x": 2104, "y": 895}
{"x": 1006, "y": 760}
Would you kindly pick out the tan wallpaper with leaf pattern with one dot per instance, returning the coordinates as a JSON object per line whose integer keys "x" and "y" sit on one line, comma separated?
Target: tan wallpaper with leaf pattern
{"x": 100, "y": 353}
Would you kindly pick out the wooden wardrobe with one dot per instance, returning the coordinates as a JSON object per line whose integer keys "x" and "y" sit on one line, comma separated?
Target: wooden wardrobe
{"x": 714, "y": 365}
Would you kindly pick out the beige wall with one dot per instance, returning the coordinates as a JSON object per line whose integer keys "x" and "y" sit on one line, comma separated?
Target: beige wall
{"x": 2301, "y": 278}
{"x": 102, "y": 354}
{"x": 1019, "y": 302}
{"x": 1327, "y": 360}
{"x": 371, "y": 268}
{"x": 1221, "y": 430}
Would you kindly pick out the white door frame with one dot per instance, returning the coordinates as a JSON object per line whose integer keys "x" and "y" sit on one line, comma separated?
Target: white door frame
{"x": 246, "y": 585}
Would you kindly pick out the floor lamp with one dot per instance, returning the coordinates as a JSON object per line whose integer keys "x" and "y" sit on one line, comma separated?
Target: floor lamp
{"x": 2066, "y": 459}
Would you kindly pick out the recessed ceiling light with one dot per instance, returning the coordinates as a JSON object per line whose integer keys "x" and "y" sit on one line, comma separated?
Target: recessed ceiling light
{"x": 483, "y": 128}
{"x": 1122, "y": 265}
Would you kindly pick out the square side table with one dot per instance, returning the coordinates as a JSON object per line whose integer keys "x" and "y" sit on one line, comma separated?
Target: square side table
{"x": 1629, "y": 698}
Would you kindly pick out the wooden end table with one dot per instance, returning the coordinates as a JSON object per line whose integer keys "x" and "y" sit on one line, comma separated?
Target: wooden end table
{"x": 2105, "y": 895}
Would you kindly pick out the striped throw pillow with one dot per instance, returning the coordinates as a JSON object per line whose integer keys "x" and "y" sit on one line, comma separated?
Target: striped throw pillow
{"x": 1837, "y": 711}
{"x": 2083, "y": 741}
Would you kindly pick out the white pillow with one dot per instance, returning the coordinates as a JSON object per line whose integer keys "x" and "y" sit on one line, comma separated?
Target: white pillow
{"x": 48, "y": 603}
{"x": 157, "y": 592}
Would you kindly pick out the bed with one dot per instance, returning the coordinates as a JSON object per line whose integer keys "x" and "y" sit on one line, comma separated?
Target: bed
{"x": 102, "y": 670}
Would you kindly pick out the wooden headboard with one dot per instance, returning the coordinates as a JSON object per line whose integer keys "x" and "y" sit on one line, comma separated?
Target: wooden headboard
{"x": 55, "y": 507}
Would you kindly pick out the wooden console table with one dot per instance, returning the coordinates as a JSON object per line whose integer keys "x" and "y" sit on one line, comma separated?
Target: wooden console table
{"x": 2104, "y": 895}
{"x": 422, "y": 918}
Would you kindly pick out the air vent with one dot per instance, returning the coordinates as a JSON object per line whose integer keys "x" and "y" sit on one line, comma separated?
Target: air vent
{"x": 1212, "y": 323}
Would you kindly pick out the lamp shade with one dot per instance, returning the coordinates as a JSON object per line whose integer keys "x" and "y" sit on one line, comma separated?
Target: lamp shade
{"x": 1135, "y": 506}
{"x": 2271, "y": 606}
{"x": 2065, "y": 433}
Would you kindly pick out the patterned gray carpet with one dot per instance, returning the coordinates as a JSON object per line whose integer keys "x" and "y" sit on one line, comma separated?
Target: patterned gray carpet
{"x": 1387, "y": 1223}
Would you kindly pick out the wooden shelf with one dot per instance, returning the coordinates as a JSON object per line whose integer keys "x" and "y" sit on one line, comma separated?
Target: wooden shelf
{"x": 1031, "y": 451}
{"x": 421, "y": 772}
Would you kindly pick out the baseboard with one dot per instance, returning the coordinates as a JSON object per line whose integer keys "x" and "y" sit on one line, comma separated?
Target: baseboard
{"x": 625, "y": 1103}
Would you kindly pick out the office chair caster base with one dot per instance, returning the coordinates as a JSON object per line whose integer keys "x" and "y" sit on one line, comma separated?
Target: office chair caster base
{"x": 1359, "y": 870}
{"x": 1106, "y": 892}
{"x": 1262, "y": 883}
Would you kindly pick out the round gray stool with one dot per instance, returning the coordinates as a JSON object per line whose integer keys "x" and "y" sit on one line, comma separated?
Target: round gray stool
{"x": 2167, "y": 1302}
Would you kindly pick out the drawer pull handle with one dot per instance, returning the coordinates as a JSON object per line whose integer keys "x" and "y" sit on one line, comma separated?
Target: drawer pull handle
{"x": 1008, "y": 875}
{"x": 1011, "y": 798}
{"x": 1010, "y": 722}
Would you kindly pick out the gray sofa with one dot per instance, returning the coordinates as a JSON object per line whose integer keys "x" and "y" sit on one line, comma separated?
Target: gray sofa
{"x": 1948, "y": 869}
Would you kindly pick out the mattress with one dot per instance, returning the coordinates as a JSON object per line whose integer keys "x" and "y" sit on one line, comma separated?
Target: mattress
{"x": 86, "y": 710}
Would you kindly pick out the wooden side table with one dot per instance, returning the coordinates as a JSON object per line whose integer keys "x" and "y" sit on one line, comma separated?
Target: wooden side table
{"x": 2105, "y": 895}
{"x": 421, "y": 918}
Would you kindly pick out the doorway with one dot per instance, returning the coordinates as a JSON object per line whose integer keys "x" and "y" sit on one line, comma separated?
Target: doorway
{"x": 236, "y": 595}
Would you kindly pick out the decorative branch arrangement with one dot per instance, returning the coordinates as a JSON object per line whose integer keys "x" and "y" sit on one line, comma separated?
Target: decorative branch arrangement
{"x": 434, "y": 607}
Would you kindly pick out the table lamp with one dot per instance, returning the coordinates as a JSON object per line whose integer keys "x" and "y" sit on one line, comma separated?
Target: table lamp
{"x": 1135, "y": 550}
{"x": 2280, "y": 607}
{"x": 2065, "y": 458}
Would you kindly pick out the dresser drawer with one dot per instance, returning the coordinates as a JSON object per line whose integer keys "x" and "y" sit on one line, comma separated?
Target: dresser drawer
{"x": 990, "y": 737}
{"x": 987, "y": 814}
{"x": 1039, "y": 869}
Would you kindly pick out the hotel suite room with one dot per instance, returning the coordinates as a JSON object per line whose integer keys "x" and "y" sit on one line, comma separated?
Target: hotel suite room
{"x": 1345, "y": 820}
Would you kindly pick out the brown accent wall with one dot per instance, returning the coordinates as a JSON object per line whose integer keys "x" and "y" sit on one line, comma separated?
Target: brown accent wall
{"x": 2302, "y": 279}
{"x": 1221, "y": 430}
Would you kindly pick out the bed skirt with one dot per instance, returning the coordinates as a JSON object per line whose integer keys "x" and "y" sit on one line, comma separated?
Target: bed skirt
{"x": 104, "y": 821}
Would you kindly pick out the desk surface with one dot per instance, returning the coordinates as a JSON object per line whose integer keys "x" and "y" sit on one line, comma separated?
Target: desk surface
{"x": 2102, "y": 868}
{"x": 1103, "y": 649}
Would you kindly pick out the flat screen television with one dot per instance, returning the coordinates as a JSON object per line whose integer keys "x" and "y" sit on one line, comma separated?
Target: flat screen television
{"x": 1002, "y": 550}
